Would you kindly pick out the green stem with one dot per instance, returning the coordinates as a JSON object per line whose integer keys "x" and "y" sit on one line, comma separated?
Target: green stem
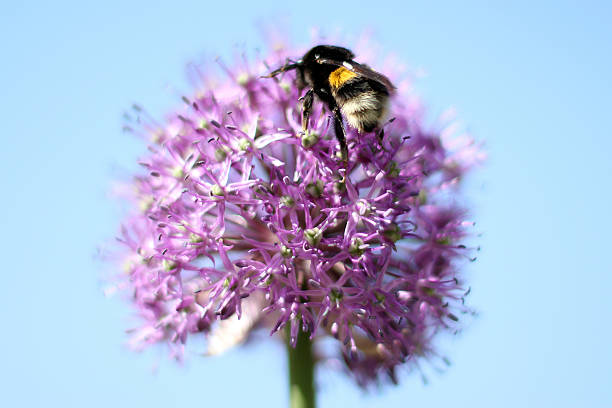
{"x": 301, "y": 372}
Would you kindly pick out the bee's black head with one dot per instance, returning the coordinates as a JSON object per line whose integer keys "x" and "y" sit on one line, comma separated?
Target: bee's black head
{"x": 328, "y": 52}
{"x": 315, "y": 66}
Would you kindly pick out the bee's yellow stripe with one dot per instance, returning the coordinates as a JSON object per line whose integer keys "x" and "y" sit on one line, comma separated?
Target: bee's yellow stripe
{"x": 340, "y": 76}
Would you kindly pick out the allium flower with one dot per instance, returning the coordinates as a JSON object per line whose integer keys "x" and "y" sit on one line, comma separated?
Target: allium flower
{"x": 246, "y": 222}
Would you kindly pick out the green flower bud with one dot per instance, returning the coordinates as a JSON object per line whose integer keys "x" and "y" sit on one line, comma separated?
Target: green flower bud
{"x": 357, "y": 248}
{"x": 286, "y": 252}
{"x": 244, "y": 144}
{"x": 364, "y": 208}
{"x": 203, "y": 124}
{"x": 313, "y": 236}
{"x": 177, "y": 172}
{"x": 195, "y": 238}
{"x": 287, "y": 201}
{"x": 243, "y": 79}
{"x": 443, "y": 240}
{"x": 216, "y": 190}
{"x": 315, "y": 189}
{"x": 392, "y": 170}
{"x": 309, "y": 139}
{"x": 335, "y": 295}
{"x": 339, "y": 187}
{"x": 285, "y": 86}
{"x": 220, "y": 154}
{"x": 393, "y": 233}
{"x": 422, "y": 197}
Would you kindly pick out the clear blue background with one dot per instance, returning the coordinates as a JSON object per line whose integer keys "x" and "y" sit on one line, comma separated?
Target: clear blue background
{"x": 532, "y": 80}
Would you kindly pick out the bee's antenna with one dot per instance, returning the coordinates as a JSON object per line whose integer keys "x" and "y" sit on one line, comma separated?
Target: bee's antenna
{"x": 289, "y": 65}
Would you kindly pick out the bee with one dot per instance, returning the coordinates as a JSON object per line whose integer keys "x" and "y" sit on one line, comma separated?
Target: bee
{"x": 345, "y": 86}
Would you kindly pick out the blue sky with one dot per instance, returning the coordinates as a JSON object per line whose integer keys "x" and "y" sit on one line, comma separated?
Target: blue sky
{"x": 530, "y": 80}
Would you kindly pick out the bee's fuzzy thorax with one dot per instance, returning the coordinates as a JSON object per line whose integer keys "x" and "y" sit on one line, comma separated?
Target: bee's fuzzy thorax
{"x": 340, "y": 76}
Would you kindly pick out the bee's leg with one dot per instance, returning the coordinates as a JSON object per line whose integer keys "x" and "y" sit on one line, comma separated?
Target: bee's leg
{"x": 340, "y": 134}
{"x": 307, "y": 108}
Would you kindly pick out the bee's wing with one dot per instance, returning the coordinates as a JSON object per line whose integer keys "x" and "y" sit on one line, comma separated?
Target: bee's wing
{"x": 361, "y": 70}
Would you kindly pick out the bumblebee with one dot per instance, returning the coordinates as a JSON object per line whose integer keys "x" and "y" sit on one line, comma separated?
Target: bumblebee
{"x": 345, "y": 86}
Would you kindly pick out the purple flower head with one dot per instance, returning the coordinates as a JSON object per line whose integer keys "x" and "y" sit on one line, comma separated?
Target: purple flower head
{"x": 245, "y": 221}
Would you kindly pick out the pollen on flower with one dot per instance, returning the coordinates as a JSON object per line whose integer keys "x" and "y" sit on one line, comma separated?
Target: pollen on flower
{"x": 243, "y": 221}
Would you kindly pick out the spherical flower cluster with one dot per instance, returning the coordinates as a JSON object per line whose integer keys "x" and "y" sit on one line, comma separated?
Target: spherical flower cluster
{"x": 246, "y": 221}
